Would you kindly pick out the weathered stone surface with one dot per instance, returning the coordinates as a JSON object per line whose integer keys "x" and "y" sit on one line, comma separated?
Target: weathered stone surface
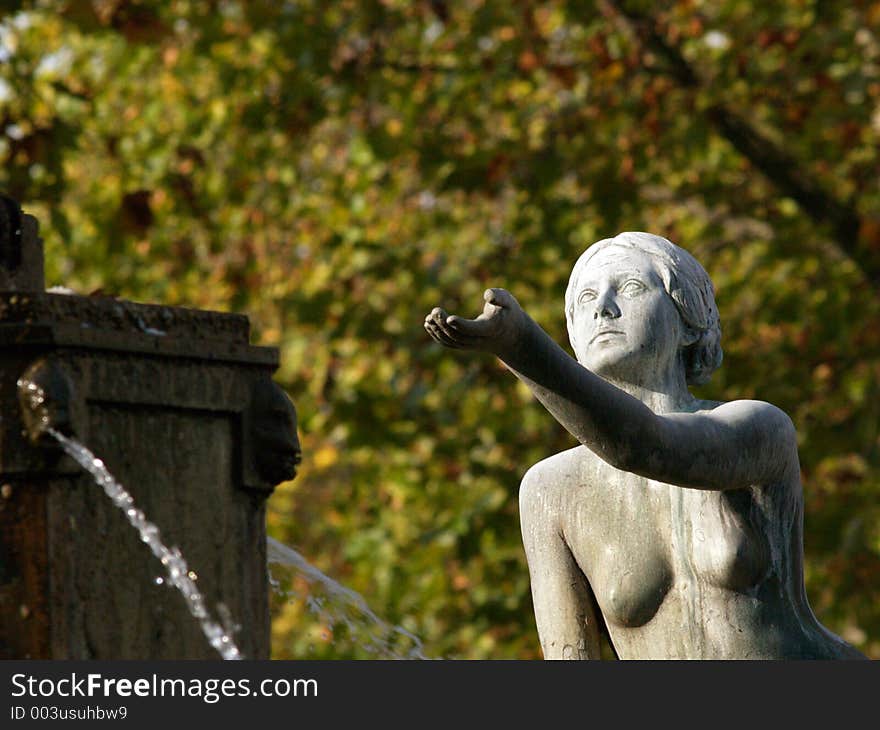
{"x": 34, "y": 319}
{"x": 675, "y": 527}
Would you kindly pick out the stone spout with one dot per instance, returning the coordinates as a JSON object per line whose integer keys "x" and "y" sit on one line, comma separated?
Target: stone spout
{"x": 45, "y": 394}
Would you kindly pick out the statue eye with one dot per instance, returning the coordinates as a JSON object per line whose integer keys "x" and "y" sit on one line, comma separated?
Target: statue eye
{"x": 587, "y": 295}
{"x": 632, "y": 287}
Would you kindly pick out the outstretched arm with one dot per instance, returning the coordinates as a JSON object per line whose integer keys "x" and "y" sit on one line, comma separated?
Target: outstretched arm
{"x": 736, "y": 445}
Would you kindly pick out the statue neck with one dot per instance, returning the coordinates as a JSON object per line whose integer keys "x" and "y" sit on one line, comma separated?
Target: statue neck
{"x": 665, "y": 393}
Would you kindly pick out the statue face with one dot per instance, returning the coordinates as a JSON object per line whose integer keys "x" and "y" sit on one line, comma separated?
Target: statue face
{"x": 625, "y": 323}
{"x": 276, "y": 444}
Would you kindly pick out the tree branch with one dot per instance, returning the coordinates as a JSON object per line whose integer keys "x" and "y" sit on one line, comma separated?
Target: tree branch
{"x": 769, "y": 158}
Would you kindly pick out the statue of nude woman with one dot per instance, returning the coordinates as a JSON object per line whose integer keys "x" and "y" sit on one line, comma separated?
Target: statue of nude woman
{"x": 676, "y": 526}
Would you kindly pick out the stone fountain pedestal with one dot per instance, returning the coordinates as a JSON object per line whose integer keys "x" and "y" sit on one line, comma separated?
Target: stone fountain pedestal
{"x": 174, "y": 402}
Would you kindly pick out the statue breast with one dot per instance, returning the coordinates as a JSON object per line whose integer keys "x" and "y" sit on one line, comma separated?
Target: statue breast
{"x": 636, "y": 588}
{"x": 728, "y": 543}
{"x": 620, "y": 539}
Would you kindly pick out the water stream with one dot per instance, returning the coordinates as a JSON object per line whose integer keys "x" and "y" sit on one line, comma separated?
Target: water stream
{"x": 179, "y": 574}
{"x": 338, "y": 604}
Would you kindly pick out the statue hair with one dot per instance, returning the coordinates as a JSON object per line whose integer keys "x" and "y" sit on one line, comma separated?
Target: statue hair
{"x": 685, "y": 280}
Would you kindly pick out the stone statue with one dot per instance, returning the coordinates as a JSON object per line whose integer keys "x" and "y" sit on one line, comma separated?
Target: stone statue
{"x": 676, "y": 526}
{"x": 277, "y": 451}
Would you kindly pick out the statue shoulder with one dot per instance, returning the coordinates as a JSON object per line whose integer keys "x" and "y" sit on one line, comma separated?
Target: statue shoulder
{"x": 752, "y": 432}
{"x": 568, "y": 463}
{"x": 755, "y": 413}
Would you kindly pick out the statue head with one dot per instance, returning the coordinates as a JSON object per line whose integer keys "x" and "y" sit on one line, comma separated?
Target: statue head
{"x": 276, "y": 446}
{"x": 687, "y": 284}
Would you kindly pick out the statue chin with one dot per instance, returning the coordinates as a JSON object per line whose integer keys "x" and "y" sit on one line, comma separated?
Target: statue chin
{"x": 616, "y": 368}
{"x": 278, "y": 466}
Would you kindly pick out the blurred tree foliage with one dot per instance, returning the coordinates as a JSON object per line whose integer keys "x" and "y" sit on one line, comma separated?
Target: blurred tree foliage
{"x": 336, "y": 169}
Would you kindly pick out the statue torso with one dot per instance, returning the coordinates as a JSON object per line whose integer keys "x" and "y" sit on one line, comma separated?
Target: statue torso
{"x": 685, "y": 573}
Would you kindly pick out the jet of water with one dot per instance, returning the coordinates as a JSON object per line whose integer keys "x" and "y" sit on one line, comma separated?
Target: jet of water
{"x": 376, "y": 636}
{"x": 179, "y": 574}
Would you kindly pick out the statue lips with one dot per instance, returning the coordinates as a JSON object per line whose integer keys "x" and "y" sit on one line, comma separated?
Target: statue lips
{"x": 282, "y": 465}
{"x": 289, "y": 460}
{"x": 602, "y": 333}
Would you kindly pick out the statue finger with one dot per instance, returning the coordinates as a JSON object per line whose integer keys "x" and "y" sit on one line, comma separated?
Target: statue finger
{"x": 437, "y": 314}
{"x": 454, "y": 339}
{"x": 498, "y": 297}
{"x": 461, "y": 339}
{"x": 469, "y": 327}
{"x": 443, "y": 323}
{"x": 433, "y": 329}
{"x": 438, "y": 334}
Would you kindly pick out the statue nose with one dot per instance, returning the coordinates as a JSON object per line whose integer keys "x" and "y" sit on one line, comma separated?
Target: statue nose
{"x": 606, "y": 307}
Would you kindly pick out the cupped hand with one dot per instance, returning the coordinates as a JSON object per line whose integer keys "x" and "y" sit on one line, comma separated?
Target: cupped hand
{"x": 496, "y": 330}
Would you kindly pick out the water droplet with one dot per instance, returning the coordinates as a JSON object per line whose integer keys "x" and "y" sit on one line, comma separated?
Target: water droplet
{"x": 192, "y": 575}
{"x": 159, "y": 581}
